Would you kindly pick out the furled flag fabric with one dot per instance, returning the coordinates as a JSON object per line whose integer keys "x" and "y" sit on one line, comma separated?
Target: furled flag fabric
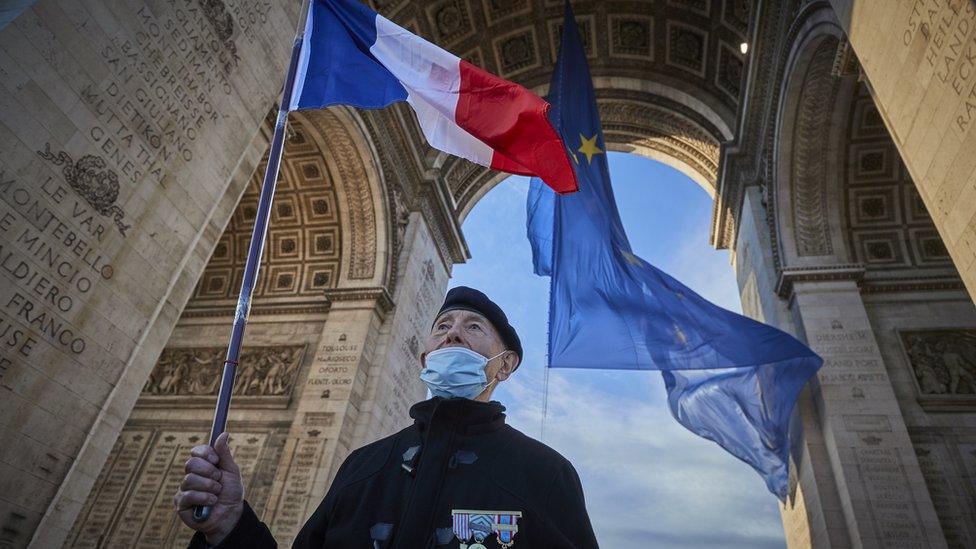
{"x": 729, "y": 378}
{"x": 10, "y": 9}
{"x": 353, "y": 56}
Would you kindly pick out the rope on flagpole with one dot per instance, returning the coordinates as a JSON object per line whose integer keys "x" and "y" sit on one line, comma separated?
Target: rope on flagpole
{"x": 251, "y": 267}
{"x": 545, "y": 403}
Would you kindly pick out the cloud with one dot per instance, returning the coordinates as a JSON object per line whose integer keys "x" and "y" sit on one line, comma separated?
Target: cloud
{"x": 642, "y": 472}
{"x": 705, "y": 270}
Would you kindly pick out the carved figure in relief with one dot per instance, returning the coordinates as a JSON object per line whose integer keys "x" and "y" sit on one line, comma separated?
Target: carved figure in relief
{"x": 448, "y": 461}
{"x": 203, "y": 380}
{"x": 958, "y": 368}
{"x": 171, "y": 382}
{"x": 263, "y": 371}
{"x": 944, "y": 362}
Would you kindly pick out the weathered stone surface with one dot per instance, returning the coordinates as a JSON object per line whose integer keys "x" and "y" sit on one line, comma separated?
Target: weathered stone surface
{"x": 920, "y": 59}
{"x": 127, "y": 130}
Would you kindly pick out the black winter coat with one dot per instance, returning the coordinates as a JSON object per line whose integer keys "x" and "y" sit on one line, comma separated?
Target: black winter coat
{"x": 459, "y": 467}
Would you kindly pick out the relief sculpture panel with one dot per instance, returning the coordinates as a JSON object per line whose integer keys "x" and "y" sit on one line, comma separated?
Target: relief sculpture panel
{"x": 195, "y": 372}
{"x": 943, "y": 364}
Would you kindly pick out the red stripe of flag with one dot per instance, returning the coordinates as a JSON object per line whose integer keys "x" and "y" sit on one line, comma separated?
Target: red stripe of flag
{"x": 512, "y": 121}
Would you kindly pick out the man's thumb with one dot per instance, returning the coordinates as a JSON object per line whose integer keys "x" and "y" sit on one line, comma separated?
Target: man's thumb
{"x": 222, "y": 447}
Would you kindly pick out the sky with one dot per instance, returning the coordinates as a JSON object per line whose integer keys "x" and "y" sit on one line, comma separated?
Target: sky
{"x": 648, "y": 482}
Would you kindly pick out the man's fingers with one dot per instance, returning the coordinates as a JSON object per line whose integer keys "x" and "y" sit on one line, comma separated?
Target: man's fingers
{"x": 192, "y": 498}
{"x": 202, "y": 467}
{"x": 205, "y": 452}
{"x": 222, "y": 447}
{"x": 200, "y": 484}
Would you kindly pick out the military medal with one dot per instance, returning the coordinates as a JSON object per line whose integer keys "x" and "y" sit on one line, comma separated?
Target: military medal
{"x": 506, "y": 525}
{"x": 472, "y": 525}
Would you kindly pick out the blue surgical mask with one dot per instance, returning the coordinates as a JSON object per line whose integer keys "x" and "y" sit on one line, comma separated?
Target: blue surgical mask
{"x": 456, "y": 372}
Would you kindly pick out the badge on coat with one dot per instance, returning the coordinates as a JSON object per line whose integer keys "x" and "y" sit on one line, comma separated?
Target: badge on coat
{"x": 478, "y": 525}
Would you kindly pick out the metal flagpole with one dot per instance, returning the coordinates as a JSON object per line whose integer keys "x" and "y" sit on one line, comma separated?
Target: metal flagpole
{"x": 258, "y": 236}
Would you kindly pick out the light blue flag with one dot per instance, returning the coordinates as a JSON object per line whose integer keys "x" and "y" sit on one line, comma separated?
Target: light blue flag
{"x": 10, "y": 9}
{"x": 729, "y": 378}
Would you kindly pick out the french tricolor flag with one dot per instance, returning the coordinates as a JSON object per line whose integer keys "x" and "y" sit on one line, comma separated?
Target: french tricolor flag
{"x": 351, "y": 55}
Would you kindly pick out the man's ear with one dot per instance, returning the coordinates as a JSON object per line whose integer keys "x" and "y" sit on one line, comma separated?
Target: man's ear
{"x": 510, "y": 361}
{"x": 423, "y": 359}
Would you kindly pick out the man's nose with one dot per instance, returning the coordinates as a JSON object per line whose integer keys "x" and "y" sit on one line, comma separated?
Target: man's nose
{"x": 454, "y": 334}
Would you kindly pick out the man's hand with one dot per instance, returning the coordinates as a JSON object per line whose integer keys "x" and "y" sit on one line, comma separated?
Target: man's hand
{"x": 212, "y": 478}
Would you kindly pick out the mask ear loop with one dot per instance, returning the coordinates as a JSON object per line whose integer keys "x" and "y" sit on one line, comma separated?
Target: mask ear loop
{"x": 496, "y": 356}
{"x": 495, "y": 379}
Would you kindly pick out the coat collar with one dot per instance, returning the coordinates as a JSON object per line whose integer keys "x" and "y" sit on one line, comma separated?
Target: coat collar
{"x": 468, "y": 416}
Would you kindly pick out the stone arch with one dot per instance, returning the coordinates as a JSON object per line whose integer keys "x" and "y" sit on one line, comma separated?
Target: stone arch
{"x": 303, "y": 252}
{"x": 841, "y": 194}
{"x": 807, "y": 165}
{"x": 351, "y": 162}
{"x": 329, "y": 224}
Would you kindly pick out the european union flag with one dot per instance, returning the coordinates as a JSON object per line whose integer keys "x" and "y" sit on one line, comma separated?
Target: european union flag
{"x": 729, "y": 378}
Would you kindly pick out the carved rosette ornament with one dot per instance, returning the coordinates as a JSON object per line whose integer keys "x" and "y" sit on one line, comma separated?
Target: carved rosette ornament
{"x": 92, "y": 181}
{"x": 222, "y": 22}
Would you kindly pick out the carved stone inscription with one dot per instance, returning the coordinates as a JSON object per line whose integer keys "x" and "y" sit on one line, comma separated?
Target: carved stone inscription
{"x": 881, "y": 489}
{"x": 165, "y": 79}
{"x": 131, "y": 504}
{"x": 49, "y": 255}
{"x": 885, "y": 484}
{"x": 263, "y": 371}
{"x": 945, "y": 31}
{"x": 943, "y": 361}
{"x": 404, "y": 364}
{"x": 334, "y": 370}
{"x": 290, "y": 509}
{"x": 952, "y": 492}
{"x": 165, "y": 85}
{"x": 850, "y": 355}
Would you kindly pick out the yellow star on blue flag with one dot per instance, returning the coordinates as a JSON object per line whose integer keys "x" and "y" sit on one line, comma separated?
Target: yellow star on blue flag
{"x": 589, "y": 147}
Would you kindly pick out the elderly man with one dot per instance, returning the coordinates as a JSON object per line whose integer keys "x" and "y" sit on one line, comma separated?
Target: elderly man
{"x": 458, "y": 477}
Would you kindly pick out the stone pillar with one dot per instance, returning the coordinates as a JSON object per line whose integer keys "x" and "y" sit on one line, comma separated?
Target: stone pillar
{"x": 328, "y": 408}
{"x": 854, "y": 477}
{"x": 882, "y": 493}
{"x": 812, "y": 515}
{"x": 128, "y": 131}
{"x": 394, "y": 383}
{"x": 920, "y": 60}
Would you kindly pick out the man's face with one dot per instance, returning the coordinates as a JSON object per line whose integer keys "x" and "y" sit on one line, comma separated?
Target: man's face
{"x": 468, "y": 329}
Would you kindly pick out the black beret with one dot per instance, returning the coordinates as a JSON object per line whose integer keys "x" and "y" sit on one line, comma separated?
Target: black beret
{"x": 469, "y": 299}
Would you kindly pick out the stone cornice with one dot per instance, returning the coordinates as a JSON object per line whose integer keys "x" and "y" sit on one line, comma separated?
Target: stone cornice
{"x": 263, "y": 307}
{"x": 437, "y": 204}
{"x": 788, "y": 277}
{"x": 912, "y": 284}
{"x": 380, "y": 296}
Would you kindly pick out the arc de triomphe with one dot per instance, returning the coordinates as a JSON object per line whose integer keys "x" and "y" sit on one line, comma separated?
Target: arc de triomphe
{"x": 840, "y": 151}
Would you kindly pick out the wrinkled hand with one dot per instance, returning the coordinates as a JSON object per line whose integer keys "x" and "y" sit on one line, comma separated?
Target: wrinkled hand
{"x": 212, "y": 478}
